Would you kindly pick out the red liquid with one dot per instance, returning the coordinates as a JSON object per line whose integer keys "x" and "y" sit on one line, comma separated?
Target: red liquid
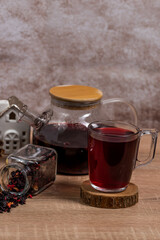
{"x": 111, "y": 161}
{"x": 70, "y": 142}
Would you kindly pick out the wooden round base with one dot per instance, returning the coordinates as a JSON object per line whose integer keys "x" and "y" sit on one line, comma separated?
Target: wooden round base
{"x": 94, "y": 198}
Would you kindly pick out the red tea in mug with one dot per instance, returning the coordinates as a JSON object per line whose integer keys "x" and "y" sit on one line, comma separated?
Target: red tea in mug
{"x": 112, "y": 156}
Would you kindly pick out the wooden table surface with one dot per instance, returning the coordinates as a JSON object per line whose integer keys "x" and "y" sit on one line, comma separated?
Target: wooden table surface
{"x": 57, "y": 213}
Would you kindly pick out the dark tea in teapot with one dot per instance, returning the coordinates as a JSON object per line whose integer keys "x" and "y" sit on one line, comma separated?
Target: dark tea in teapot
{"x": 70, "y": 142}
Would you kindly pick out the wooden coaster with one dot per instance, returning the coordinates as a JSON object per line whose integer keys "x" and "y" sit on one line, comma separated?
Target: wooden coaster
{"x": 94, "y": 198}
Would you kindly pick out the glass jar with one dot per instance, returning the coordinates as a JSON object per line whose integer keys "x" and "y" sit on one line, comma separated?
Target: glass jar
{"x": 64, "y": 126}
{"x": 30, "y": 169}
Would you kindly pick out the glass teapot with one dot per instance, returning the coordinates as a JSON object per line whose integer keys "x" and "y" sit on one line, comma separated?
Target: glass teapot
{"x": 65, "y": 125}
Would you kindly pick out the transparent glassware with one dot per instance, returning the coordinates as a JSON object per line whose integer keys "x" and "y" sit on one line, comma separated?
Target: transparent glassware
{"x": 113, "y": 153}
{"x": 30, "y": 169}
{"x": 64, "y": 126}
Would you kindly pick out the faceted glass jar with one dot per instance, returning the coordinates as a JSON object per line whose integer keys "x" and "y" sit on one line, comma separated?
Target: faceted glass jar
{"x": 30, "y": 169}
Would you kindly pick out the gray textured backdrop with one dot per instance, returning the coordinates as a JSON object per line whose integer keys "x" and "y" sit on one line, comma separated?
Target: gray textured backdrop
{"x": 113, "y": 45}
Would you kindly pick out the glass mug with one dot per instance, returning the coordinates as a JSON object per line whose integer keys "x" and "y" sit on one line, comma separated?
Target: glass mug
{"x": 112, "y": 153}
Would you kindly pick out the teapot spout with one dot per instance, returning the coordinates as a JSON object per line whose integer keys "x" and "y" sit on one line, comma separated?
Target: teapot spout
{"x": 25, "y": 115}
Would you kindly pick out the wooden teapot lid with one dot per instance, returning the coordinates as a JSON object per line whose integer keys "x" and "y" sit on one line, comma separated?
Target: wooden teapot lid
{"x": 76, "y": 93}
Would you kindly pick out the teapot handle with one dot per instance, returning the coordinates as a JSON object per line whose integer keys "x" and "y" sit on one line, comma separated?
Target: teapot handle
{"x": 121, "y": 100}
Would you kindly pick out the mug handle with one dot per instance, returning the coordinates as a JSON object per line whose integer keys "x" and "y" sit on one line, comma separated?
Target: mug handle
{"x": 121, "y": 100}
{"x": 154, "y": 135}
